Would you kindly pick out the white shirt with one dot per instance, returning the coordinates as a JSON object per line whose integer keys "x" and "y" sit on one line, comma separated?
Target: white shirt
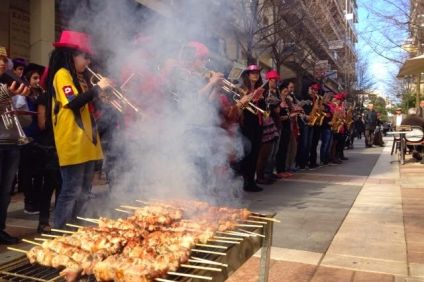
{"x": 398, "y": 120}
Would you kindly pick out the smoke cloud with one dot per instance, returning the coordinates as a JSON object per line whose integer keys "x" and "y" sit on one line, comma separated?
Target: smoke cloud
{"x": 178, "y": 149}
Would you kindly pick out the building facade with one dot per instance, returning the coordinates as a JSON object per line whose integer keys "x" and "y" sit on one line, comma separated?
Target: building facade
{"x": 305, "y": 39}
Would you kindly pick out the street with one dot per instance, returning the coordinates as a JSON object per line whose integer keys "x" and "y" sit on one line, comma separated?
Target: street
{"x": 358, "y": 221}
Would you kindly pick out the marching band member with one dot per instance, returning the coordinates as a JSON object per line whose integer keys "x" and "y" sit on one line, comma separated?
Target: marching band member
{"x": 285, "y": 132}
{"x": 307, "y": 131}
{"x": 295, "y": 112}
{"x": 338, "y": 129}
{"x": 75, "y": 131}
{"x": 10, "y": 152}
{"x": 326, "y": 134}
{"x": 251, "y": 128}
{"x": 29, "y": 175}
{"x": 270, "y": 136}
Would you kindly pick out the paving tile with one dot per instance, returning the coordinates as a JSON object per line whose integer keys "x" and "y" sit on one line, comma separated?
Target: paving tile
{"x": 328, "y": 274}
{"x": 366, "y": 264}
{"x": 360, "y": 276}
{"x": 415, "y": 256}
{"x": 283, "y": 271}
{"x": 417, "y": 270}
{"x": 291, "y": 255}
{"x": 248, "y": 272}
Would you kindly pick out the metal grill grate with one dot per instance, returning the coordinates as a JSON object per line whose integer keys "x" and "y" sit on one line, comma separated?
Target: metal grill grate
{"x": 21, "y": 270}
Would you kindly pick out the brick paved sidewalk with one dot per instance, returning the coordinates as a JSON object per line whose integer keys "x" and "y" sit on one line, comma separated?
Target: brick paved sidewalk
{"x": 381, "y": 238}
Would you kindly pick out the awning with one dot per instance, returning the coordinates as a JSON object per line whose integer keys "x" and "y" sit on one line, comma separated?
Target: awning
{"x": 412, "y": 66}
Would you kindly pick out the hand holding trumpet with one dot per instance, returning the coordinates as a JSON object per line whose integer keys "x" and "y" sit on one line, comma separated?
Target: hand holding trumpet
{"x": 104, "y": 83}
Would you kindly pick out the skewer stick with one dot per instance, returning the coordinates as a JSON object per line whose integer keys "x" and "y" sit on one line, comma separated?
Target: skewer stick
{"x": 92, "y": 220}
{"x": 224, "y": 241}
{"x": 202, "y": 260}
{"x": 232, "y": 233}
{"x": 255, "y": 221}
{"x": 208, "y": 252}
{"x": 51, "y": 236}
{"x": 17, "y": 250}
{"x": 62, "y": 231}
{"x": 201, "y": 267}
{"x": 265, "y": 218}
{"x": 31, "y": 242}
{"x": 212, "y": 246}
{"x": 125, "y": 211}
{"x": 164, "y": 280}
{"x": 249, "y": 225}
{"x": 190, "y": 275}
{"x": 130, "y": 207}
{"x": 251, "y": 233}
{"x": 229, "y": 238}
{"x": 41, "y": 239}
{"x": 74, "y": 225}
{"x": 143, "y": 202}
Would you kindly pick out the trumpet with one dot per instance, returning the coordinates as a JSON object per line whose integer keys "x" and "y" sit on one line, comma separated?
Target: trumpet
{"x": 9, "y": 118}
{"x": 120, "y": 101}
{"x": 237, "y": 93}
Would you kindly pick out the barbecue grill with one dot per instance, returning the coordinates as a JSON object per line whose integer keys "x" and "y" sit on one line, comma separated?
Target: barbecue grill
{"x": 218, "y": 268}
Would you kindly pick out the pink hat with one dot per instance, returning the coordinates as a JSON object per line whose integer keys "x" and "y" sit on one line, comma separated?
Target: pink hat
{"x": 201, "y": 50}
{"x": 253, "y": 68}
{"x": 272, "y": 74}
{"x": 75, "y": 40}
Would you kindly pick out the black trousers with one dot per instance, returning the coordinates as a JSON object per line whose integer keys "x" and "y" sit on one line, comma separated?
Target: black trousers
{"x": 29, "y": 174}
{"x": 253, "y": 133}
{"x": 316, "y": 136}
{"x": 52, "y": 182}
{"x": 281, "y": 157}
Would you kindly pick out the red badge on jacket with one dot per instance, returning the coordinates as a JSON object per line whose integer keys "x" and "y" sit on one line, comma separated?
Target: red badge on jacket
{"x": 69, "y": 92}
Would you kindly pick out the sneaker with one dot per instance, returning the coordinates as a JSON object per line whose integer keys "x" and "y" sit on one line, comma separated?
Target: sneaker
{"x": 31, "y": 211}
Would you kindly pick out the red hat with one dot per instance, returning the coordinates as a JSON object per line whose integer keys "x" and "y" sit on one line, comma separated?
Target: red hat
{"x": 316, "y": 86}
{"x": 272, "y": 74}
{"x": 339, "y": 96}
{"x": 201, "y": 50}
{"x": 75, "y": 40}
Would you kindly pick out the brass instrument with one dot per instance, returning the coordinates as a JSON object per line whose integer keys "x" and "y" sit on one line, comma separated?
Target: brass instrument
{"x": 237, "y": 92}
{"x": 8, "y": 115}
{"x": 337, "y": 122}
{"x": 316, "y": 116}
{"x": 119, "y": 101}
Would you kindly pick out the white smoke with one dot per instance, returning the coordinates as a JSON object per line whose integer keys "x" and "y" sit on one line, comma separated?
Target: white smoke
{"x": 177, "y": 149}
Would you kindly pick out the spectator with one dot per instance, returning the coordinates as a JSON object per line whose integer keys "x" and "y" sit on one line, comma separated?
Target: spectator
{"x": 370, "y": 120}
{"x": 397, "y": 118}
{"x": 413, "y": 119}
{"x": 420, "y": 109}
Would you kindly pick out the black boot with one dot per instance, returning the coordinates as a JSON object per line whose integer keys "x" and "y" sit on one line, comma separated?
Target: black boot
{"x": 6, "y": 239}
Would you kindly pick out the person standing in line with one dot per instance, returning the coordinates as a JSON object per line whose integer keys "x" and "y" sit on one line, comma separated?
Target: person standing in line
{"x": 251, "y": 127}
{"x": 9, "y": 148}
{"x": 370, "y": 120}
{"x": 75, "y": 131}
